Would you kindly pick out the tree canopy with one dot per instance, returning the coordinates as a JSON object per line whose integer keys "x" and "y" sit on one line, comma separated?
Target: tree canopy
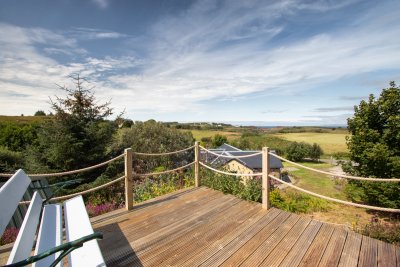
{"x": 374, "y": 146}
{"x": 78, "y": 136}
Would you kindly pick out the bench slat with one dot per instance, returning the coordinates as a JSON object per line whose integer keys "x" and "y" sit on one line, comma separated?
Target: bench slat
{"x": 23, "y": 244}
{"x": 10, "y": 195}
{"x": 77, "y": 225}
{"x": 50, "y": 234}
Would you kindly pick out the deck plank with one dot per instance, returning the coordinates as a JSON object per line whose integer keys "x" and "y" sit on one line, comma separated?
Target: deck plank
{"x": 297, "y": 252}
{"x": 351, "y": 250}
{"x": 221, "y": 254}
{"x": 317, "y": 248}
{"x": 268, "y": 245}
{"x": 386, "y": 254}
{"x": 334, "y": 249}
{"x": 282, "y": 249}
{"x": 368, "y": 252}
{"x": 228, "y": 221}
{"x": 246, "y": 250}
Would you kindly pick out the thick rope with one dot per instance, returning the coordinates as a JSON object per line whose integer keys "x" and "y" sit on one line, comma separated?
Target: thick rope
{"x": 339, "y": 175}
{"x": 163, "y": 172}
{"x": 334, "y": 199}
{"x": 162, "y": 154}
{"x": 230, "y": 156}
{"x": 230, "y": 173}
{"x": 81, "y": 193}
{"x": 38, "y": 176}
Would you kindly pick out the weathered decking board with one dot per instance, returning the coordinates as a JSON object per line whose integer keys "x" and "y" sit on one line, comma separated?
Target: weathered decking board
{"x": 203, "y": 227}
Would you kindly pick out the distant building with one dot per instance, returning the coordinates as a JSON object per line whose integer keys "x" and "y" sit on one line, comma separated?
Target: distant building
{"x": 247, "y": 165}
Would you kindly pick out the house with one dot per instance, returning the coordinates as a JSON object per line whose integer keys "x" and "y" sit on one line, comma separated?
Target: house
{"x": 247, "y": 165}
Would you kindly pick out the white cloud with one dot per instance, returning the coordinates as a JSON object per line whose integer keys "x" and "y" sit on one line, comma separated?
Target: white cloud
{"x": 93, "y": 34}
{"x": 101, "y": 3}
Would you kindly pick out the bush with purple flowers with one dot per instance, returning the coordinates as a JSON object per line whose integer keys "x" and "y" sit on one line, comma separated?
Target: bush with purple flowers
{"x": 95, "y": 210}
{"x": 388, "y": 231}
{"x": 9, "y": 236}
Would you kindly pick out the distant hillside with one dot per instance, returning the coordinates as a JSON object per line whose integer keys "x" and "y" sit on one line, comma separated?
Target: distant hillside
{"x": 24, "y": 119}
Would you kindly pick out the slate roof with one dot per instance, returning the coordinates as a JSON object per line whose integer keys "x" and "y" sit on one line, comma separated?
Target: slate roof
{"x": 254, "y": 162}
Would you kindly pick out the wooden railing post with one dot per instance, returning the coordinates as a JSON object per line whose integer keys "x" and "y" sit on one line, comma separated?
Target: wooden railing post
{"x": 265, "y": 178}
{"x": 196, "y": 164}
{"x": 128, "y": 179}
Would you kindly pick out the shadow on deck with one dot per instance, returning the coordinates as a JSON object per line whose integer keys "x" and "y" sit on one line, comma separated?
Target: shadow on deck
{"x": 203, "y": 227}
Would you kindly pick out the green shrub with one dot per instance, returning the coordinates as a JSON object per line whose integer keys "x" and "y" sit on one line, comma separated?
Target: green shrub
{"x": 250, "y": 191}
{"x": 296, "y": 202}
{"x": 385, "y": 231}
{"x": 161, "y": 185}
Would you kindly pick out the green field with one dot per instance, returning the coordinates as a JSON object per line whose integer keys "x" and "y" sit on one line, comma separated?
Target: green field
{"x": 329, "y": 142}
{"x": 24, "y": 119}
{"x": 198, "y": 134}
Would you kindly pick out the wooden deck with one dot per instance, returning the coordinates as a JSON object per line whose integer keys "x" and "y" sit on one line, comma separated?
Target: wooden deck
{"x": 203, "y": 227}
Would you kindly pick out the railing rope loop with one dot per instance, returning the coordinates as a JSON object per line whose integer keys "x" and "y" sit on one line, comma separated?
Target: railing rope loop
{"x": 82, "y": 192}
{"x": 334, "y": 199}
{"x": 339, "y": 175}
{"x": 164, "y": 172}
{"x": 38, "y": 176}
{"x": 230, "y": 173}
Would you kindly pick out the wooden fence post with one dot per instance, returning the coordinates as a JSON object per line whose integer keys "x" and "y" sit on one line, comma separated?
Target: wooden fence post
{"x": 196, "y": 164}
{"x": 265, "y": 178}
{"x": 128, "y": 179}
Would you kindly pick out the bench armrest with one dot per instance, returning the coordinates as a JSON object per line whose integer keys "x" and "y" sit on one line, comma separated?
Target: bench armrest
{"x": 64, "y": 248}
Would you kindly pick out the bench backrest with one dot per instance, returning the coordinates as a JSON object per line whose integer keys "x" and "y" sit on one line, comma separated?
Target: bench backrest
{"x": 10, "y": 195}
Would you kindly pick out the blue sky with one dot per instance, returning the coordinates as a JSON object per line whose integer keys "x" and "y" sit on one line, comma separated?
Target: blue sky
{"x": 288, "y": 62}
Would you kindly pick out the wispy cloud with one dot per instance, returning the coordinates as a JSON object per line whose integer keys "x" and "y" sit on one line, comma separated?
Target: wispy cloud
{"x": 92, "y": 34}
{"x": 334, "y": 109}
{"x": 101, "y": 3}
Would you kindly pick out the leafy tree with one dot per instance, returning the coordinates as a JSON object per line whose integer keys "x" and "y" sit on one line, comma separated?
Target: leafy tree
{"x": 154, "y": 137}
{"x": 17, "y": 137}
{"x": 78, "y": 136}
{"x": 374, "y": 146}
{"x": 316, "y": 152}
{"x": 39, "y": 113}
{"x": 10, "y": 160}
{"x": 298, "y": 151}
{"x": 219, "y": 140}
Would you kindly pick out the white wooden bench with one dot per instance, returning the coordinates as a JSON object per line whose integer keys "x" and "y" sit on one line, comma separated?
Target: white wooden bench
{"x": 50, "y": 236}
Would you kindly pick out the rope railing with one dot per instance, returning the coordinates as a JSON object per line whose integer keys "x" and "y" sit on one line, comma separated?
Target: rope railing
{"x": 82, "y": 192}
{"x": 164, "y": 172}
{"x": 38, "y": 176}
{"x": 338, "y": 175}
{"x": 230, "y": 156}
{"x": 230, "y": 173}
{"x": 112, "y": 182}
{"x": 163, "y": 154}
{"x": 334, "y": 199}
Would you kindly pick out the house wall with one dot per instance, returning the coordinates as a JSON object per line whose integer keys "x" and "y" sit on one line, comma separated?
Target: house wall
{"x": 235, "y": 166}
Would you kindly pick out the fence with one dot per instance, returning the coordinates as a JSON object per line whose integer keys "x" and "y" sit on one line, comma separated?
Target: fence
{"x": 129, "y": 155}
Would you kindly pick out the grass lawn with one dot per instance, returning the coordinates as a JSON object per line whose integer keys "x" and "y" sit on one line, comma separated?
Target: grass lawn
{"x": 198, "y": 134}
{"x": 325, "y": 185}
{"x": 329, "y": 142}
